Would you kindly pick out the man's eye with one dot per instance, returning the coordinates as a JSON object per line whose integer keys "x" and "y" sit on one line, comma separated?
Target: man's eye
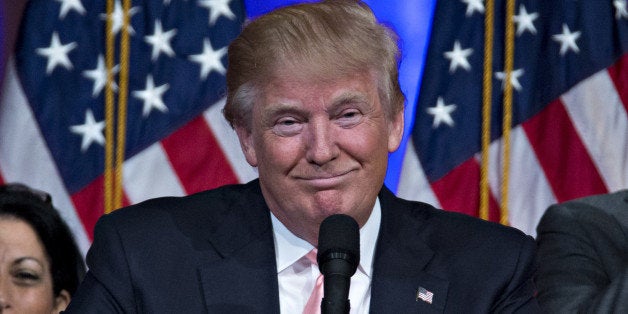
{"x": 287, "y": 122}
{"x": 349, "y": 118}
{"x": 287, "y": 127}
{"x": 350, "y": 114}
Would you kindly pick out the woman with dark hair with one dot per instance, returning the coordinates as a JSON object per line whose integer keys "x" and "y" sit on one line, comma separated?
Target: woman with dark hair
{"x": 40, "y": 264}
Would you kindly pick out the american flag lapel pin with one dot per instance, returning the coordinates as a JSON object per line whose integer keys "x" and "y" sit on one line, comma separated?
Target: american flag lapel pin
{"x": 424, "y": 295}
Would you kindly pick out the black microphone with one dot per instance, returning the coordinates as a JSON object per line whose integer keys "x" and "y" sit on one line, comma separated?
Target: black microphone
{"x": 338, "y": 258}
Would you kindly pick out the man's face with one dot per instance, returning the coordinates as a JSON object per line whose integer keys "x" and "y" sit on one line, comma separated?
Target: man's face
{"x": 321, "y": 148}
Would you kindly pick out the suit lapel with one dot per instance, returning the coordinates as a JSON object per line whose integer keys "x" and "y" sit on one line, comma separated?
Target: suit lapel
{"x": 244, "y": 280}
{"x": 401, "y": 283}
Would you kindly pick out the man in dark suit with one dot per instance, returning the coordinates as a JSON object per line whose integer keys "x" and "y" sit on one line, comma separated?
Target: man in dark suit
{"x": 583, "y": 255}
{"x": 313, "y": 95}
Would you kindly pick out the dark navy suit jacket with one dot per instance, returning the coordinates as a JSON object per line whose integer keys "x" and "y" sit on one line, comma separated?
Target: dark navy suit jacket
{"x": 214, "y": 252}
{"x": 583, "y": 255}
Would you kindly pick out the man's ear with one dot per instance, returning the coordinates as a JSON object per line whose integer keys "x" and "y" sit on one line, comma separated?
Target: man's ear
{"x": 246, "y": 143}
{"x": 395, "y": 131}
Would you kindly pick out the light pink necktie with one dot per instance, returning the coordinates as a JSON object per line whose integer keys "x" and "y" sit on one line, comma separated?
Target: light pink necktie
{"x": 313, "y": 305}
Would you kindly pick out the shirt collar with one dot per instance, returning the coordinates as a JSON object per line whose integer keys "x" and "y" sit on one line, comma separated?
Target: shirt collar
{"x": 289, "y": 248}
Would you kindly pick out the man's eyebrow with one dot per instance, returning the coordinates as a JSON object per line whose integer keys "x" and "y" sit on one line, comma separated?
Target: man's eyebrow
{"x": 280, "y": 108}
{"x": 273, "y": 110}
{"x": 350, "y": 97}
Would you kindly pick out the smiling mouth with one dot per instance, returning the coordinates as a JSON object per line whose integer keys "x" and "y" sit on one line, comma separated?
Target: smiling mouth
{"x": 322, "y": 180}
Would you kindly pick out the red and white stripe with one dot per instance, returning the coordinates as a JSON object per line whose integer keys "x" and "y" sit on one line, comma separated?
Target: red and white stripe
{"x": 25, "y": 157}
{"x": 576, "y": 146}
{"x": 191, "y": 159}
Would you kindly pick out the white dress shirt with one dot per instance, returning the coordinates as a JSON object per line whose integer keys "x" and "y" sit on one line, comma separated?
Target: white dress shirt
{"x": 297, "y": 276}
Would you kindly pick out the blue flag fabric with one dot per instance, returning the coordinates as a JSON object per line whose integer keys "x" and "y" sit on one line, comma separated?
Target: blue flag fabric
{"x": 63, "y": 86}
{"x": 52, "y": 111}
{"x": 567, "y": 108}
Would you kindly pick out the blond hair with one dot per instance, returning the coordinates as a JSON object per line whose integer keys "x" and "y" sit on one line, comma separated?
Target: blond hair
{"x": 328, "y": 39}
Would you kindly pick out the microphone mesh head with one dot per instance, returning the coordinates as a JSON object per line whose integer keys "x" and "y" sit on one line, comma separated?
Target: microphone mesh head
{"x": 339, "y": 234}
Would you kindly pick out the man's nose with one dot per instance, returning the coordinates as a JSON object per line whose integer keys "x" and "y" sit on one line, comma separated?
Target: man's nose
{"x": 321, "y": 141}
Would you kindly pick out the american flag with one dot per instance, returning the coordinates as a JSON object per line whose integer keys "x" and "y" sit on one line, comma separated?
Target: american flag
{"x": 568, "y": 136}
{"x": 424, "y": 295}
{"x": 52, "y": 111}
{"x": 569, "y": 131}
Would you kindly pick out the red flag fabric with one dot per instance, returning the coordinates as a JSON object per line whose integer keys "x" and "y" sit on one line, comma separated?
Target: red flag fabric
{"x": 569, "y": 132}
{"x": 52, "y": 106}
